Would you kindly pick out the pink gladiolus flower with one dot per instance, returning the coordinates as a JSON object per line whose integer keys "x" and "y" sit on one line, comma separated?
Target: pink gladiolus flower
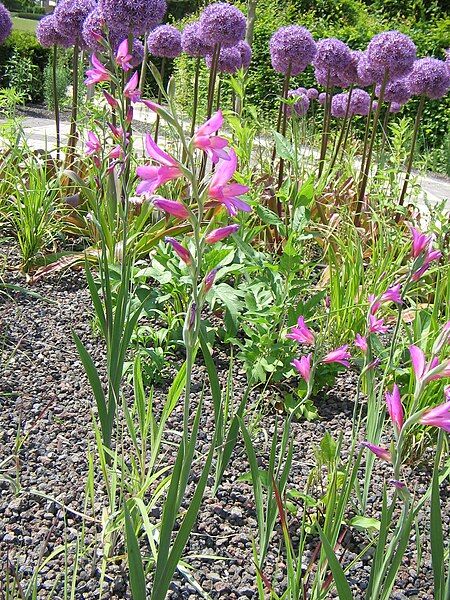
{"x": 420, "y": 242}
{"x": 447, "y": 392}
{"x": 303, "y": 366}
{"x": 151, "y": 105}
{"x": 395, "y": 408}
{"x": 340, "y": 355}
{"x": 378, "y": 451}
{"x": 98, "y": 72}
{"x": 374, "y": 304}
{"x": 130, "y": 90}
{"x": 205, "y": 140}
{"x": 227, "y": 193}
{"x": 427, "y": 372}
{"x": 123, "y": 58}
{"x": 429, "y": 258}
{"x": 116, "y": 153}
{"x": 93, "y": 145}
{"x": 154, "y": 176}
{"x": 361, "y": 343}
{"x": 439, "y": 416}
{"x": 418, "y": 361}
{"x": 182, "y": 252}
{"x": 220, "y": 234}
{"x": 110, "y": 100}
{"x": 392, "y": 295}
{"x": 301, "y": 333}
{"x": 399, "y": 485}
{"x": 174, "y": 208}
{"x": 376, "y": 325}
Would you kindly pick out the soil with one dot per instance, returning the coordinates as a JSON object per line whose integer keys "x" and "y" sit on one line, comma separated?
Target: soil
{"x": 45, "y": 396}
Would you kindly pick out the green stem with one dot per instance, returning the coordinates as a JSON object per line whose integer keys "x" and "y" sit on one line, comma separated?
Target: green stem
{"x": 411, "y": 153}
{"x": 73, "y": 119}
{"x": 144, "y": 67}
{"x": 162, "y": 72}
{"x": 195, "y": 99}
{"x": 56, "y": 102}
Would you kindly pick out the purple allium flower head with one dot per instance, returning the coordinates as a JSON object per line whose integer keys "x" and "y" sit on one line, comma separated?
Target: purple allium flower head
{"x": 447, "y": 59}
{"x": 332, "y": 58}
{"x": 339, "y": 104}
{"x": 374, "y": 105}
{"x": 393, "y": 52}
{"x": 368, "y": 72}
{"x": 395, "y": 107}
{"x": 47, "y": 35}
{"x": 5, "y": 23}
{"x": 396, "y": 91}
{"x": 246, "y": 53}
{"x": 93, "y": 30}
{"x": 359, "y": 102}
{"x": 429, "y": 77}
{"x": 193, "y": 42}
{"x": 229, "y": 60}
{"x": 137, "y": 53}
{"x": 294, "y": 46}
{"x": 322, "y": 98}
{"x": 133, "y": 16}
{"x": 164, "y": 41}
{"x": 223, "y": 24}
{"x": 349, "y": 75}
{"x": 70, "y": 16}
{"x": 301, "y": 102}
{"x": 312, "y": 93}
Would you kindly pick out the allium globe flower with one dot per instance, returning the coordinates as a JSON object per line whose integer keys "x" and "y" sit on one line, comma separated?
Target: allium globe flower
{"x": 429, "y": 77}
{"x": 322, "y": 98}
{"x": 70, "y": 16}
{"x": 447, "y": 59}
{"x": 137, "y": 53}
{"x": 193, "y": 42}
{"x": 246, "y": 53}
{"x": 359, "y": 102}
{"x": 393, "y": 52}
{"x": 301, "y": 102}
{"x": 93, "y": 30}
{"x": 222, "y": 23}
{"x": 164, "y": 41}
{"x": 293, "y": 47}
{"x": 396, "y": 91}
{"x": 339, "y": 104}
{"x": 395, "y": 107}
{"x": 47, "y": 35}
{"x": 133, "y": 16}
{"x": 332, "y": 58}
{"x": 229, "y": 60}
{"x": 368, "y": 72}
{"x": 349, "y": 76}
{"x": 5, "y": 23}
{"x": 312, "y": 93}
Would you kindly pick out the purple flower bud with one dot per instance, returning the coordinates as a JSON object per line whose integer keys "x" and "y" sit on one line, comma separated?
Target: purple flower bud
{"x": 395, "y": 107}
{"x": 332, "y": 58}
{"x": 222, "y": 23}
{"x": 182, "y": 252}
{"x": 220, "y": 234}
{"x": 393, "y": 52}
{"x": 312, "y": 93}
{"x": 133, "y": 16}
{"x": 5, "y": 23}
{"x": 302, "y": 101}
{"x": 47, "y": 35}
{"x": 193, "y": 42}
{"x": 292, "y": 47}
{"x": 70, "y": 16}
{"x": 164, "y": 41}
{"x": 209, "y": 279}
{"x": 322, "y": 98}
{"x": 429, "y": 77}
{"x": 229, "y": 60}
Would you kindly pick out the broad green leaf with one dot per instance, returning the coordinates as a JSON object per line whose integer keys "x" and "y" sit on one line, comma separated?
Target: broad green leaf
{"x": 136, "y": 567}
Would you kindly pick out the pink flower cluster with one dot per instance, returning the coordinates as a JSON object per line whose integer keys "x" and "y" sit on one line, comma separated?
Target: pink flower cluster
{"x": 303, "y": 335}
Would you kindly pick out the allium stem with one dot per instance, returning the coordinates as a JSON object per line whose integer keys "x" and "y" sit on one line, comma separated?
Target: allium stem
{"x": 73, "y": 119}
{"x": 282, "y": 107}
{"x": 344, "y": 128}
{"x": 144, "y": 67}
{"x": 195, "y": 99}
{"x": 387, "y": 114}
{"x": 56, "y": 102}
{"x": 219, "y": 91}
{"x": 326, "y": 121}
{"x": 212, "y": 80}
{"x": 366, "y": 170}
{"x": 366, "y": 133}
{"x": 161, "y": 72}
{"x": 283, "y": 130}
{"x": 411, "y": 153}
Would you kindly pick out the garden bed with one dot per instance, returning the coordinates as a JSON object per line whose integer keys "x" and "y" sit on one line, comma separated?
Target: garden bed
{"x": 45, "y": 395}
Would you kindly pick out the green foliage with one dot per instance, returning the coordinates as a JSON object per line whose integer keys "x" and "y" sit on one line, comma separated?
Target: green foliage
{"x": 62, "y": 81}
{"x": 23, "y": 75}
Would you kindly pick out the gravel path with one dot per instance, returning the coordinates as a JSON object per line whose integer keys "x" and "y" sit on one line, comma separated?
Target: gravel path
{"x": 44, "y": 394}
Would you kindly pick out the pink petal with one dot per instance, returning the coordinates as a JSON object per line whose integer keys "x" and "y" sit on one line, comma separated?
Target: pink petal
{"x": 155, "y": 152}
{"x": 418, "y": 361}
{"x": 211, "y": 126}
{"x": 224, "y": 171}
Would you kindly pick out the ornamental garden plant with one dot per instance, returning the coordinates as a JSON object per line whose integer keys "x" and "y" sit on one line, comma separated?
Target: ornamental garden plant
{"x": 225, "y": 334}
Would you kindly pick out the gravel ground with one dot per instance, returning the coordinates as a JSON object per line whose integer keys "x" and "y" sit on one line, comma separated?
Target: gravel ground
{"x": 44, "y": 394}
